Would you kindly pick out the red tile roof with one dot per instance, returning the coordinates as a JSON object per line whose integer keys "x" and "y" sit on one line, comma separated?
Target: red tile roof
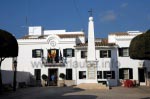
{"x": 70, "y": 35}
{"x": 119, "y": 34}
{"x": 104, "y": 42}
{"x": 60, "y": 35}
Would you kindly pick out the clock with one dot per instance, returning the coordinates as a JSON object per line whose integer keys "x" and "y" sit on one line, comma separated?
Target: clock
{"x": 52, "y": 43}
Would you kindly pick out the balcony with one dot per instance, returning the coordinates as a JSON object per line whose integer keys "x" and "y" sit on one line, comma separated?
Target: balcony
{"x": 53, "y": 62}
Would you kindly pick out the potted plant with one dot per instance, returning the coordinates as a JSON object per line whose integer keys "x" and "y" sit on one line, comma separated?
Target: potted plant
{"x": 62, "y": 76}
{"x": 44, "y": 78}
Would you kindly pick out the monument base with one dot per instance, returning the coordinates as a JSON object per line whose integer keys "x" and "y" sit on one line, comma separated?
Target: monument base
{"x": 92, "y": 71}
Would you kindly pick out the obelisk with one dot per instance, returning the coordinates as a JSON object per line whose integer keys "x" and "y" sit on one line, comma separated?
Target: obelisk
{"x": 91, "y": 58}
{"x": 91, "y": 40}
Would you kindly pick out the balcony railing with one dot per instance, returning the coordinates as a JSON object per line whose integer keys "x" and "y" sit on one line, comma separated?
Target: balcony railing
{"x": 52, "y": 62}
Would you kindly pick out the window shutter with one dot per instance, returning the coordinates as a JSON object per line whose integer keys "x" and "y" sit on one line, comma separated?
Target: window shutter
{"x": 42, "y": 54}
{"x": 99, "y": 74}
{"x": 105, "y": 74}
{"x": 64, "y": 52}
{"x": 130, "y": 73}
{"x": 80, "y": 75}
{"x": 57, "y": 56}
{"x": 101, "y": 54}
{"x": 72, "y": 52}
{"x": 34, "y": 53}
{"x": 120, "y": 51}
{"x": 82, "y": 54}
{"x": 121, "y": 76}
{"x": 109, "y": 53}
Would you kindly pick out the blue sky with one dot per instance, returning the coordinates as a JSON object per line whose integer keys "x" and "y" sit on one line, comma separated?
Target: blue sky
{"x": 109, "y": 15}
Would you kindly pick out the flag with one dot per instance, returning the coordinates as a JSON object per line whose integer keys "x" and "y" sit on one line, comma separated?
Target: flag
{"x": 49, "y": 54}
{"x": 42, "y": 56}
{"x": 49, "y": 58}
{"x": 60, "y": 56}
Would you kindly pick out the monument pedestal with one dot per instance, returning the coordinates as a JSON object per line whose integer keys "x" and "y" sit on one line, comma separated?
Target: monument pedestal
{"x": 92, "y": 71}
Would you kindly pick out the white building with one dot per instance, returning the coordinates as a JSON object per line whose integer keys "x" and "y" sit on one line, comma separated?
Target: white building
{"x": 94, "y": 61}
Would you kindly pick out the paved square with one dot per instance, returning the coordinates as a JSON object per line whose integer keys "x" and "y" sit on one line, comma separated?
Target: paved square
{"x": 75, "y": 93}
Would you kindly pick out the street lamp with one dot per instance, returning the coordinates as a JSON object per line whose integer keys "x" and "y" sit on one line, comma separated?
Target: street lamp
{"x": 15, "y": 73}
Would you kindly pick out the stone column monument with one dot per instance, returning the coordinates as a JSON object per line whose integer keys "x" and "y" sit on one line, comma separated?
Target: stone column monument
{"x": 91, "y": 57}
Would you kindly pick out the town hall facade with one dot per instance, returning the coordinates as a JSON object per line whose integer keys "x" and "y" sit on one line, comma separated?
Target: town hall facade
{"x": 81, "y": 59}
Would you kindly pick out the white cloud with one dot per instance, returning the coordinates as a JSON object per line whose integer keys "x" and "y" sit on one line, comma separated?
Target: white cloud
{"x": 108, "y": 16}
{"x": 124, "y": 5}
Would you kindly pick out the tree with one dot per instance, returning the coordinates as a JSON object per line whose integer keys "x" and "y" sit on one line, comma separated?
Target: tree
{"x": 8, "y": 48}
{"x": 44, "y": 81}
{"x": 140, "y": 47}
{"x": 44, "y": 77}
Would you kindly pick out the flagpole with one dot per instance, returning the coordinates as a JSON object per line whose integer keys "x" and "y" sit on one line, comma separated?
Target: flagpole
{"x": 60, "y": 56}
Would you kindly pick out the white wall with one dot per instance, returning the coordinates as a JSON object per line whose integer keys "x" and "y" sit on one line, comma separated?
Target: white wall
{"x": 7, "y": 64}
{"x": 27, "y": 64}
{"x": 112, "y": 38}
{"x": 35, "y": 30}
{"x": 7, "y": 77}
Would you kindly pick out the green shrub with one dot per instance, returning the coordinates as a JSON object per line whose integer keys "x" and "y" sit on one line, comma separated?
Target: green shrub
{"x": 44, "y": 77}
{"x": 140, "y": 46}
{"x": 62, "y": 75}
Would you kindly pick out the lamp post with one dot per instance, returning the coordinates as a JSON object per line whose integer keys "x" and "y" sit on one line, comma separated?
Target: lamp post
{"x": 15, "y": 73}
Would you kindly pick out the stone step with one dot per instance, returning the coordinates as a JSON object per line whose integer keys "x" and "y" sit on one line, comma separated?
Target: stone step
{"x": 91, "y": 86}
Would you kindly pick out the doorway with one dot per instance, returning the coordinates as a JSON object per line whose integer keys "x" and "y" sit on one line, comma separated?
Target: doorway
{"x": 141, "y": 73}
{"x": 53, "y": 76}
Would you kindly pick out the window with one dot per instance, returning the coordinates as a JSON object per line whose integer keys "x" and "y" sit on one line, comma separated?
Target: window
{"x": 68, "y": 74}
{"x": 37, "y": 53}
{"x": 99, "y": 74}
{"x": 82, "y": 74}
{"x": 125, "y": 73}
{"x": 124, "y": 52}
{"x": 109, "y": 74}
{"x": 83, "y": 54}
{"x": 68, "y": 52}
{"x": 37, "y": 74}
{"x": 105, "y": 53}
{"x": 53, "y": 53}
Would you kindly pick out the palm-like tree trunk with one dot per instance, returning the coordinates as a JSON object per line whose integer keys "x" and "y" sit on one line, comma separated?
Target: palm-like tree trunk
{"x": 14, "y": 80}
{"x": 1, "y": 86}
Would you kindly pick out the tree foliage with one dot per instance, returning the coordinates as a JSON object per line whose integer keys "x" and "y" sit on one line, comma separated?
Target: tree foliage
{"x": 62, "y": 75}
{"x": 8, "y": 45}
{"x": 44, "y": 77}
{"x": 8, "y": 48}
{"x": 140, "y": 46}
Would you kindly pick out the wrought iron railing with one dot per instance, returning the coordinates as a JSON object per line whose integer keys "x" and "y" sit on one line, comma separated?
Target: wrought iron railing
{"x": 52, "y": 62}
